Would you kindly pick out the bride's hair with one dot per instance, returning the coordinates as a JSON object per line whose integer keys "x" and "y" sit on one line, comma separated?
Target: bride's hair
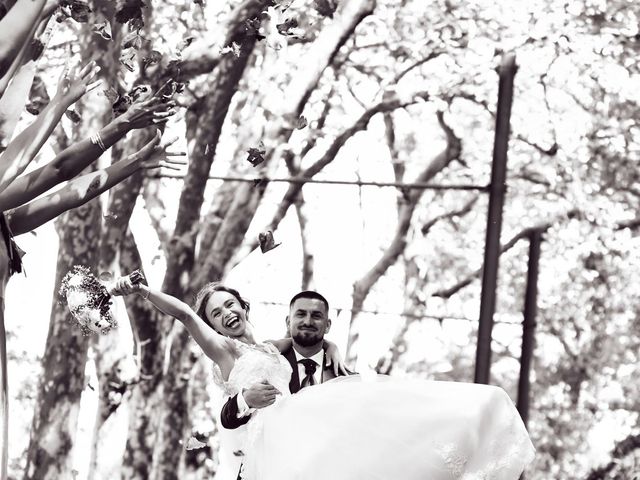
{"x": 202, "y": 297}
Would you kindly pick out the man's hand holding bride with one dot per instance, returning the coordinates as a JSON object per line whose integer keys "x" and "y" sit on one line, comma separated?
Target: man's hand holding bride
{"x": 260, "y": 395}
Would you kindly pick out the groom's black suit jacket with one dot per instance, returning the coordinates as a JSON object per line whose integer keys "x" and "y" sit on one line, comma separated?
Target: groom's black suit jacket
{"x": 229, "y": 415}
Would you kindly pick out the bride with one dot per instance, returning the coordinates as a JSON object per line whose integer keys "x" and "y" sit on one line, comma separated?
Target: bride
{"x": 350, "y": 428}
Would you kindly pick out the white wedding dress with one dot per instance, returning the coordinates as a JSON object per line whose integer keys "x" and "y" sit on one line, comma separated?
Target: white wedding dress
{"x": 353, "y": 428}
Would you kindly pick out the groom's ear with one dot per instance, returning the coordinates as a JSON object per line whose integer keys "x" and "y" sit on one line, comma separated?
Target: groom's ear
{"x": 326, "y": 330}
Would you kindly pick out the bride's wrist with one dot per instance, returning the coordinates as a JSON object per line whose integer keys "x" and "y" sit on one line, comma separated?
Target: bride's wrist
{"x": 144, "y": 292}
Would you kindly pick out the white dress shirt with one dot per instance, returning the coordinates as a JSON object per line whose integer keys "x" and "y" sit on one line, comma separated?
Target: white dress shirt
{"x": 318, "y": 358}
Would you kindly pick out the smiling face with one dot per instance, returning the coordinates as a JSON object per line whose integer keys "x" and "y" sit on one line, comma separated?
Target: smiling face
{"x": 308, "y": 321}
{"x": 226, "y": 314}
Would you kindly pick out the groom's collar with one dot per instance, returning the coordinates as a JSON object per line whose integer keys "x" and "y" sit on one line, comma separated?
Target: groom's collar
{"x": 318, "y": 357}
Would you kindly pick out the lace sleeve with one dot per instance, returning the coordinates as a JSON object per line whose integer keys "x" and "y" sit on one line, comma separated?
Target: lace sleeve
{"x": 271, "y": 348}
{"x": 225, "y": 386}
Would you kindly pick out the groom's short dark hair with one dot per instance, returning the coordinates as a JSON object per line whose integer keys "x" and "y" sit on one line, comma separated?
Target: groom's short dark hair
{"x": 310, "y": 294}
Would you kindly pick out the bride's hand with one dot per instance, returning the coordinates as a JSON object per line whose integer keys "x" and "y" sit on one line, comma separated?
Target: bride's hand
{"x": 124, "y": 286}
{"x": 334, "y": 359}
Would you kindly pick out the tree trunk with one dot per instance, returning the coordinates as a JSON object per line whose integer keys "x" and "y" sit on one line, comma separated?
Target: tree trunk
{"x": 149, "y": 327}
{"x": 173, "y": 410}
{"x": 55, "y": 420}
{"x": 115, "y": 369}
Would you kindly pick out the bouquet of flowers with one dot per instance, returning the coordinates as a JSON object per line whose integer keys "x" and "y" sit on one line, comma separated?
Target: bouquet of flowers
{"x": 89, "y": 299}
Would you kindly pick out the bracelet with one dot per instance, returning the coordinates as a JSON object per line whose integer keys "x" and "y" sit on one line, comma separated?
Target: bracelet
{"x": 96, "y": 139}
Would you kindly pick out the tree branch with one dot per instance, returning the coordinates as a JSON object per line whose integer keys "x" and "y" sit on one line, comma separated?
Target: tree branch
{"x": 542, "y": 227}
{"x": 466, "y": 208}
{"x": 633, "y": 224}
{"x": 448, "y": 292}
{"x": 362, "y": 287}
{"x": 323, "y": 50}
{"x": 307, "y": 255}
{"x": 621, "y": 450}
{"x": 416, "y": 64}
{"x": 550, "y": 151}
{"x": 330, "y": 154}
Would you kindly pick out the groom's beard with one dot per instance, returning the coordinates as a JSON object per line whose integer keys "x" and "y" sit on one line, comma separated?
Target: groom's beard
{"x": 308, "y": 338}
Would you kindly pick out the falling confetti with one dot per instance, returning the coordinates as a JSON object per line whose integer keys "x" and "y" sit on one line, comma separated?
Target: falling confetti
{"x": 76, "y": 9}
{"x": 194, "y": 444}
{"x": 267, "y": 242}
{"x": 73, "y": 116}
{"x": 286, "y": 27}
{"x": 111, "y": 94}
{"x": 153, "y": 58}
{"x": 137, "y": 91}
{"x": 122, "y": 104}
{"x": 326, "y": 8}
{"x": 233, "y": 48}
{"x": 103, "y": 29}
{"x": 252, "y": 28}
{"x": 256, "y": 155}
{"x": 186, "y": 41}
{"x": 127, "y": 58}
{"x": 260, "y": 182}
{"x": 132, "y": 40}
{"x": 302, "y": 122}
{"x": 130, "y": 11}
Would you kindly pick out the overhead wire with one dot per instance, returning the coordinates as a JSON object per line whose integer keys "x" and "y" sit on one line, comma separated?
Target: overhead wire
{"x": 417, "y": 316}
{"x": 360, "y": 183}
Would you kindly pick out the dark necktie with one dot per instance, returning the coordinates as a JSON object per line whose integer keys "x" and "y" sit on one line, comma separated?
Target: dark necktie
{"x": 309, "y": 370}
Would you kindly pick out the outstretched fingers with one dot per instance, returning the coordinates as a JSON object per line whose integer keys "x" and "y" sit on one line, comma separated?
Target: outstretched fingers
{"x": 175, "y": 165}
{"x": 87, "y": 69}
{"x": 166, "y": 162}
{"x": 150, "y": 146}
{"x": 93, "y": 86}
{"x": 168, "y": 143}
{"x": 162, "y": 159}
{"x": 162, "y": 116}
{"x": 64, "y": 76}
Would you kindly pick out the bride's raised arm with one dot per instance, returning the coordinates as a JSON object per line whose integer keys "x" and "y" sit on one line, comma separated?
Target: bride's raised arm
{"x": 217, "y": 347}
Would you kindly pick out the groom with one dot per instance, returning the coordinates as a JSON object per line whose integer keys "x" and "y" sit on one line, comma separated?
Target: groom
{"x": 308, "y": 321}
